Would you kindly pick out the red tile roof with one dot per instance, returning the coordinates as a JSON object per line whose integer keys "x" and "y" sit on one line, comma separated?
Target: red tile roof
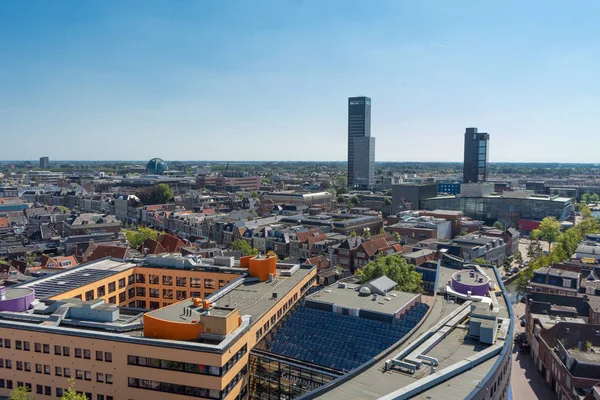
{"x": 3, "y": 222}
{"x": 312, "y": 233}
{"x": 371, "y": 247}
{"x": 153, "y": 247}
{"x": 108, "y": 251}
{"x": 170, "y": 243}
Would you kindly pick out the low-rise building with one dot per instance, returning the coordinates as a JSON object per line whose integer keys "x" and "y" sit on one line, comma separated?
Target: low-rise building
{"x": 479, "y": 246}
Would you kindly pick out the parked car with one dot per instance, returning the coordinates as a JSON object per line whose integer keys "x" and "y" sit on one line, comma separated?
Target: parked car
{"x": 515, "y": 270}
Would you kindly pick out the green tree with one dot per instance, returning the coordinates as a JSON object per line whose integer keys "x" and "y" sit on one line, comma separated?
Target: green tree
{"x": 341, "y": 181}
{"x": 340, "y": 199}
{"x": 20, "y": 393}
{"x": 254, "y": 195}
{"x": 366, "y": 233}
{"x": 387, "y": 202}
{"x": 585, "y": 198}
{"x": 355, "y": 201}
{"x": 549, "y": 230}
{"x": 594, "y": 198}
{"x": 585, "y": 211}
{"x": 479, "y": 260}
{"x": 389, "y": 192}
{"x": 244, "y": 247}
{"x": 396, "y": 236}
{"x": 71, "y": 393}
{"x": 518, "y": 257}
{"x": 353, "y": 234}
{"x": 506, "y": 265}
{"x": 499, "y": 225}
{"x": 136, "y": 238}
{"x": 397, "y": 269}
{"x": 381, "y": 231}
{"x": 157, "y": 194}
{"x": 342, "y": 190}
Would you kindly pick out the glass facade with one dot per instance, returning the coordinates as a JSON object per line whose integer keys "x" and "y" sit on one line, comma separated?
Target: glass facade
{"x": 275, "y": 379}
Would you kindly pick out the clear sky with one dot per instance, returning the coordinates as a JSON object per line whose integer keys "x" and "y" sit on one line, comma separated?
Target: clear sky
{"x": 269, "y": 80}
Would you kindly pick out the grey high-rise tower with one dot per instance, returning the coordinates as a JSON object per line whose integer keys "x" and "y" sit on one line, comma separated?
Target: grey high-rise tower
{"x": 361, "y": 145}
{"x": 476, "y": 156}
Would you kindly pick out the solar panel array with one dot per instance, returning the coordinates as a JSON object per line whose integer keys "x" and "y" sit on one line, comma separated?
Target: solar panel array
{"x": 338, "y": 341}
{"x": 62, "y": 283}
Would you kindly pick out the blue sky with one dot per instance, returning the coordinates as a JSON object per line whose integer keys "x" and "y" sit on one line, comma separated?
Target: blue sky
{"x": 269, "y": 80}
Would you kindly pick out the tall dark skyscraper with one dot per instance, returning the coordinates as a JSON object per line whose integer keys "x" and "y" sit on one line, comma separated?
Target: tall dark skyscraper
{"x": 476, "y": 156}
{"x": 44, "y": 162}
{"x": 361, "y": 146}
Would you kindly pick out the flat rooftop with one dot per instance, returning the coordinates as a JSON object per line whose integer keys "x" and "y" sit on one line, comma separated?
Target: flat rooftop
{"x": 375, "y": 382}
{"x": 73, "y": 278}
{"x": 349, "y": 297}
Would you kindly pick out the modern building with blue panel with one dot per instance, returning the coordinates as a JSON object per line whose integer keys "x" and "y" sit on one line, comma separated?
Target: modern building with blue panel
{"x": 452, "y": 188}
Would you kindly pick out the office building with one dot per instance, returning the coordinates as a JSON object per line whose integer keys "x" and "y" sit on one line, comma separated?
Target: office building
{"x": 171, "y": 327}
{"x": 361, "y": 145}
{"x": 476, "y": 156}
{"x": 44, "y": 162}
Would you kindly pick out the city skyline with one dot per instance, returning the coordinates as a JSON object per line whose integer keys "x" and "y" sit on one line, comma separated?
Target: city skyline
{"x": 166, "y": 80}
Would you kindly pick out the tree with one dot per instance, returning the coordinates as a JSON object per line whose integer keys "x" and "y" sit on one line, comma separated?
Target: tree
{"x": 387, "y": 202}
{"x": 396, "y": 236}
{"x": 382, "y": 231}
{"x": 506, "y": 266}
{"x": 254, "y": 195}
{"x": 397, "y": 269}
{"x": 585, "y": 198}
{"x": 585, "y": 211}
{"x": 340, "y": 199}
{"x": 479, "y": 260}
{"x": 549, "y": 230}
{"x": 389, "y": 192}
{"x": 342, "y": 190}
{"x": 157, "y": 194}
{"x": 366, "y": 233}
{"x": 594, "y": 198}
{"x": 355, "y": 201}
{"x": 499, "y": 225}
{"x": 71, "y": 394}
{"x": 341, "y": 181}
{"x": 353, "y": 234}
{"x": 518, "y": 257}
{"x": 244, "y": 247}
{"x": 20, "y": 393}
{"x": 136, "y": 238}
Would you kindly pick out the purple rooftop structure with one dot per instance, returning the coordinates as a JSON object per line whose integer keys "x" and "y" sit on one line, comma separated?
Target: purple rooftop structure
{"x": 17, "y": 299}
{"x": 469, "y": 280}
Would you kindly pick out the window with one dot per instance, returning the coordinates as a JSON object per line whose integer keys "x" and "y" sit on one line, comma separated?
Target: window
{"x": 167, "y": 280}
{"x": 140, "y": 278}
{"x": 131, "y": 293}
{"x": 140, "y": 304}
{"x": 27, "y": 366}
{"x": 78, "y": 374}
{"x": 9, "y": 384}
{"x": 88, "y": 375}
{"x": 89, "y": 295}
{"x": 8, "y": 364}
{"x": 154, "y": 305}
{"x": 167, "y": 293}
{"x": 39, "y": 389}
{"x": 18, "y": 345}
{"x": 67, "y": 372}
{"x": 112, "y": 300}
{"x": 7, "y": 343}
{"x": 25, "y": 346}
{"x": 99, "y": 356}
{"x": 154, "y": 279}
{"x": 195, "y": 294}
{"x": 108, "y": 379}
{"x": 100, "y": 397}
{"x": 46, "y": 349}
{"x": 196, "y": 282}
{"x": 86, "y": 354}
{"x": 46, "y": 370}
{"x": 112, "y": 287}
{"x": 38, "y": 368}
{"x": 181, "y": 281}
{"x": 154, "y": 293}
{"x": 131, "y": 279}
{"x": 59, "y": 392}
{"x": 48, "y": 390}
{"x": 78, "y": 353}
{"x": 209, "y": 283}
{"x": 140, "y": 291}
{"x": 122, "y": 297}
{"x": 100, "y": 377}
{"x": 121, "y": 283}
{"x": 107, "y": 356}
{"x": 58, "y": 371}
{"x": 101, "y": 291}
{"x": 57, "y": 350}
{"x": 20, "y": 365}
{"x": 181, "y": 295}
{"x": 66, "y": 351}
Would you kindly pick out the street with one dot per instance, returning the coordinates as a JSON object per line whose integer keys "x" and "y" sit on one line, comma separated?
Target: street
{"x": 526, "y": 381}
